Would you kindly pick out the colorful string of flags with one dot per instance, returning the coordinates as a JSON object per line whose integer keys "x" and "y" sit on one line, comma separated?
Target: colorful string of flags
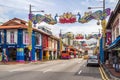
{"x": 69, "y": 17}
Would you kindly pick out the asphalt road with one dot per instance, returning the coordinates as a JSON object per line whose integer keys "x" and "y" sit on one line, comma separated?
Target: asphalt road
{"x": 74, "y": 69}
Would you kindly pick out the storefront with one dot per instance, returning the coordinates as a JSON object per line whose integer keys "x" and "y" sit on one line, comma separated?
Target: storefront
{"x": 12, "y": 52}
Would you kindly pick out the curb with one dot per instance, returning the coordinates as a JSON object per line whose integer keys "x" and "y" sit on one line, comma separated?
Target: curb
{"x": 109, "y": 73}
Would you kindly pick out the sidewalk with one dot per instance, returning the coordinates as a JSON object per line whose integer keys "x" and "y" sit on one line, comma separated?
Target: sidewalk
{"x": 13, "y": 63}
{"x": 111, "y": 72}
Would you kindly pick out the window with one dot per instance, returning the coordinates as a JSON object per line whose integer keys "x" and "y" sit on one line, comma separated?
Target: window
{"x": 26, "y": 38}
{"x": 38, "y": 39}
{"x": 2, "y": 36}
{"x": 11, "y": 37}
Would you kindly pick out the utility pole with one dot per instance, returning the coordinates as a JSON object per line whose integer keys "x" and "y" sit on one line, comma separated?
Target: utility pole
{"x": 103, "y": 23}
{"x": 60, "y": 41}
{"x": 30, "y": 27}
{"x": 30, "y": 30}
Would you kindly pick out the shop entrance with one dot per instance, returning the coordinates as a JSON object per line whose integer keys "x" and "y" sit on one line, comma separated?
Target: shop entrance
{"x": 0, "y": 50}
{"x": 37, "y": 54}
{"x": 12, "y": 54}
{"x": 44, "y": 54}
{"x": 26, "y": 54}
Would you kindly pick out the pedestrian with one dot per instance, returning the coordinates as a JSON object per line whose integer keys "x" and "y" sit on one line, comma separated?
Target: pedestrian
{"x": 5, "y": 58}
{"x": 1, "y": 56}
{"x": 117, "y": 64}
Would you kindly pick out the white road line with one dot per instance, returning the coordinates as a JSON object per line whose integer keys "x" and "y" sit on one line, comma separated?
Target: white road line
{"x": 16, "y": 70}
{"x": 80, "y": 72}
{"x": 47, "y": 70}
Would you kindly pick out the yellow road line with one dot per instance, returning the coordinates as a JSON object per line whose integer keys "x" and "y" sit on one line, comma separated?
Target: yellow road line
{"x": 105, "y": 74}
{"x": 101, "y": 74}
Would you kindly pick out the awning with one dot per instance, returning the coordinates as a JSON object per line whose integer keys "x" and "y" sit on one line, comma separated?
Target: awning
{"x": 114, "y": 44}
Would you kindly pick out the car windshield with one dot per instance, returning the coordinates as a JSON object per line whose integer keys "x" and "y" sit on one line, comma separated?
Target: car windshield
{"x": 92, "y": 57}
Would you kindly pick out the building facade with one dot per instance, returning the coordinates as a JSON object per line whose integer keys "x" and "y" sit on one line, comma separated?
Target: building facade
{"x": 14, "y": 41}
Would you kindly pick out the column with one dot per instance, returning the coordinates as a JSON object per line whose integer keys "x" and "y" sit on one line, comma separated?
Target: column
{"x": 52, "y": 55}
{"x": 33, "y": 47}
{"x": 101, "y": 51}
{"x": 20, "y": 49}
{"x": 55, "y": 54}
{"x": 20, "y": 54}
{"x": 5, "y": 41}
{"x": 47, "y": 55}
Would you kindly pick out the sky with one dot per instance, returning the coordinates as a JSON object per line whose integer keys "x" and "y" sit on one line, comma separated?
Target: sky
{"x": 20, "y": 9}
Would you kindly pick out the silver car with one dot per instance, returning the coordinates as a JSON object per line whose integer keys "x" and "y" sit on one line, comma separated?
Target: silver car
{"x": 93, "y": 60}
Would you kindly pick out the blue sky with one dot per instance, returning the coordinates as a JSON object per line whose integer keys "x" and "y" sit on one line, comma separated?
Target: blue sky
{"x": 20, "y": 9}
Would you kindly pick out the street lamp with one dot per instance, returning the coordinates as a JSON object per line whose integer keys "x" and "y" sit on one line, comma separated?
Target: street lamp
{"x": 30, "y": 27}
{"x": 103, "y": 24}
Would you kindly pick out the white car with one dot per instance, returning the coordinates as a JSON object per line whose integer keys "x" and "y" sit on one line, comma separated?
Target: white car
{"x": 93, "y": 60}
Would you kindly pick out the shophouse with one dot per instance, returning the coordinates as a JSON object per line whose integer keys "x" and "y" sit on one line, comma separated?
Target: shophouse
{"x": 113, "y": 34}
{"x": 14, "y": 40}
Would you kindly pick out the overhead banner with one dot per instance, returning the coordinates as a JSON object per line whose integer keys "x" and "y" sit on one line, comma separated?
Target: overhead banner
{"x": 69, "y": 17}
{"x": 98, "y": 15}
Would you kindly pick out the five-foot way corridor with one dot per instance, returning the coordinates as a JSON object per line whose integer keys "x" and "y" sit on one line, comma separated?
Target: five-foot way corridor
{"x": 74, "y": 69}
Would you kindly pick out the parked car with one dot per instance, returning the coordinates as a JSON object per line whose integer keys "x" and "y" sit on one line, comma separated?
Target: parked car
{"x": 93, "y": 60}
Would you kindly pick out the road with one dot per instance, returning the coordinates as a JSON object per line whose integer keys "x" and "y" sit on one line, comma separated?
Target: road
{"x": 73, "y": 69}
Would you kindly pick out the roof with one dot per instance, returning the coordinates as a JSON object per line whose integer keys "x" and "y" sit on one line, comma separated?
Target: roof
{"x": 14, "y": 20}
{"x": 13, "y": 24}
{"x": 13, "y": 27}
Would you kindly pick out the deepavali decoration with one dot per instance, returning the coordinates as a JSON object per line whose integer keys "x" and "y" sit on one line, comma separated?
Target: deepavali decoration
{"x": 40, "y": 18}
{"x": 98, "y": 15}
{"x": 69, "y": 17}
{"x": 79, "y": 36}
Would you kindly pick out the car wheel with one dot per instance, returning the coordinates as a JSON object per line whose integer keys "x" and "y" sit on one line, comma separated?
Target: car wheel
{"x": 87, "y": 65}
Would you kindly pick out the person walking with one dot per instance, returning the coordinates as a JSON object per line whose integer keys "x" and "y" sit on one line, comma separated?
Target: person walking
{"x": 5, "y": 58}
{"x": 117, "y": 64}
{"x": 1, "y": 57}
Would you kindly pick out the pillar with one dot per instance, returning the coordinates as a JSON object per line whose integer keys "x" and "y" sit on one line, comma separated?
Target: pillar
{"x": 20, "y": 49}
{"x": 101, "y": 51}
{"x": 52, "y": 55}
{"x": 20, "y": 54}
{"x": 47, "y": 55}
{"x": 5, "y": 41}
{"x": 33, "y": 47}
{"x": 55, "y": 54}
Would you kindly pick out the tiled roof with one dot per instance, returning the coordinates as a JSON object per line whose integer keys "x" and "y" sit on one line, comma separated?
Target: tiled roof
{"x": 13, "y": 27}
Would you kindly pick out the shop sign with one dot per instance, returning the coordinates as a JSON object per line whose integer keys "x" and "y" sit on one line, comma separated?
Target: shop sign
{"x": 11, "y": 46}
{"x": 37, "y": 47}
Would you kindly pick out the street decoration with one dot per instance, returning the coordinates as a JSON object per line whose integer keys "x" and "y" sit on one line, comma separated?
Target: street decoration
{"x": 79, "y": 36}
{"x": 98, "y": 15}
{"x": 38, "y": 18}
{"x": 109, "y": 39}
{"x": 67, "y": 18}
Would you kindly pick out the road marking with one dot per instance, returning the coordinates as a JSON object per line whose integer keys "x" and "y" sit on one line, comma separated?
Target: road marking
{"x": 16, "y": 70}
{"x": 47, "y": 70}
{"x": 84, "y": 65}
{"x": 80, "y": 72}
{"x": 103, "y": 73}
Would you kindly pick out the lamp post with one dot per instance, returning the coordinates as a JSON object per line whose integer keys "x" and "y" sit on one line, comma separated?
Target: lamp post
{"x": 103, "y": 24}
{"x": 30, "y": 27}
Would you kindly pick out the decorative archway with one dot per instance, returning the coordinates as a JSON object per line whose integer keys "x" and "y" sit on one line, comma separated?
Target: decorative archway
{"x": 69, "y": 17}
